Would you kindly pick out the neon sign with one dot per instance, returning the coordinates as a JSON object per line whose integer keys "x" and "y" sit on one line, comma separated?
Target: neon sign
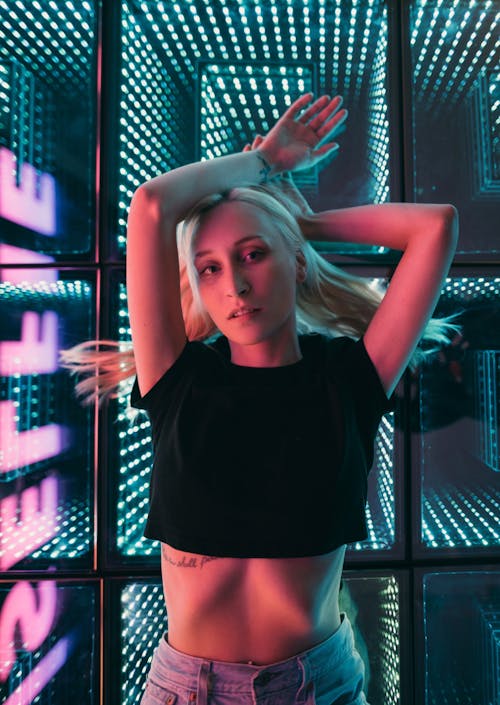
{"x": 29, "y": 519}
{"x": 25, "y": 204}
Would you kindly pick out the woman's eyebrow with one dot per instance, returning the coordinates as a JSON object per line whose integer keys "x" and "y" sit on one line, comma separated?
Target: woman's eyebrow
{"x": 238, "y": 242}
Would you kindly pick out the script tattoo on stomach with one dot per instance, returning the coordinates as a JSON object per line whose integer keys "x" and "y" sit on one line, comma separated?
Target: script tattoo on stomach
{"x": 186, "y": 561}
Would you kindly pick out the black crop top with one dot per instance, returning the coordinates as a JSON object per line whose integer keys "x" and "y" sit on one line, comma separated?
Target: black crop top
{"x": 263, "y": 462}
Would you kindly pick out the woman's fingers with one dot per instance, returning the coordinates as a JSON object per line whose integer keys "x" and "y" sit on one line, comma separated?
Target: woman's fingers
{"x": 297, "y": 106}
{"x": 258, "y": 140}
{"x": 332, "y": 125}
{"x": 324, "y": 151}
{"x": 313, "y": 109}
{"x": 330, "y": 109}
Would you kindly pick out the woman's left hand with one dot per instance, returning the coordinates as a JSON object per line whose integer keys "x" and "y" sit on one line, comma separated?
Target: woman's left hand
{"x": 302, "y": 137}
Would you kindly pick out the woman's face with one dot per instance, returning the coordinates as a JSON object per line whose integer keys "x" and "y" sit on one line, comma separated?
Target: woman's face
{"x": 246, "y": 274}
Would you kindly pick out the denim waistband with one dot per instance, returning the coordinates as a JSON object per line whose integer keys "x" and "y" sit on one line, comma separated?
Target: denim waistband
{"x": 201, "y": 674}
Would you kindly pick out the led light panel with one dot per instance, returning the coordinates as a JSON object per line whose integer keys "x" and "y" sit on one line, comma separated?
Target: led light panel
{"x": 461, "y": 637}
{"x": 380, "y": 509}
{"x": 47, "y": 125}
{"x": 373, "y": 607}
{"x": 201, "y": 79}
{"x": 459, "y": 421}
{"x": 132, "y": 456}
{"x": 49, "y": 634}
{"x": 240, "y": 100}
{"x": 46, "y": 473}
{"x": 455, "y": 58}
{"x": 143, "y": 623}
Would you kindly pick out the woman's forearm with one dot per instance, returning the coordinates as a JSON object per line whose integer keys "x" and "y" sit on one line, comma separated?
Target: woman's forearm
{"x": 386, "y": 225}
{"x": 178, "y": 190}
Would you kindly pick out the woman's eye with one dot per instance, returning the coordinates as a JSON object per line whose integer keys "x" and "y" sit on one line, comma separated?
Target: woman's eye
{"x": 253, "y": 255}
{"x": 207, "y": 271}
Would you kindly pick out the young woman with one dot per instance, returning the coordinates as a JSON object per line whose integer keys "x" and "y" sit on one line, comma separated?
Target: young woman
{"x": 264, "y": 436}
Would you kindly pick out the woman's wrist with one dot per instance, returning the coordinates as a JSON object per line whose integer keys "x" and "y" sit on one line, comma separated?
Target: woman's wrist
{"x": 268, "y": 169}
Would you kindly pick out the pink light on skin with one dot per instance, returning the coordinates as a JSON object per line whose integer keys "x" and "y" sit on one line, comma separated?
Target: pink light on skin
{"x": 46, "y": 669}
{"x": 20, "y": 449}
{"x": 21, "y": 204}
{"x": 30, "y": 611}
{"x": 17, "y": 255}
{"x": 36, "y": 352}
{"x": 35, "y": 524}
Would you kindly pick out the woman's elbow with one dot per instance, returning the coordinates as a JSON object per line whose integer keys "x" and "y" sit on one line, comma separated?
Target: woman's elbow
{"x": 448, "y": 222}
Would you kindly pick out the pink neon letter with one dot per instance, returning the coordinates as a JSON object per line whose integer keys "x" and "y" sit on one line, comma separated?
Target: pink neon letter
{"x": 34, "y": 614}
{"x": 27, "y": 447}
{"x": 21, "y": 204}
{"x": 17, "y": 255}
{"x": 36, "y": 525}
{"x": 36, "y": 352}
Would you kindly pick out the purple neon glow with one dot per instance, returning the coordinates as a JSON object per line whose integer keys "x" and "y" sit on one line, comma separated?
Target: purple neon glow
{"x": 17, "y": 255}
{"x": 30, "y": 612}
{"x": 20, "y": 449}
{"x": 21, "y": 204}
{"x": 36, "y": 352}
{"x": 34, "y": 683}
{"x": 28, "y": 521}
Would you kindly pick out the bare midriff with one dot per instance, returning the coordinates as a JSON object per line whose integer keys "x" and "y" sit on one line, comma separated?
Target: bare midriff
{"x": 242, "y": 610}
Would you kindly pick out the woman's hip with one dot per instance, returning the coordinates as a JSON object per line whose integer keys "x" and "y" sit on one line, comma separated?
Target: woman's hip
{"x": 328, "y": 673}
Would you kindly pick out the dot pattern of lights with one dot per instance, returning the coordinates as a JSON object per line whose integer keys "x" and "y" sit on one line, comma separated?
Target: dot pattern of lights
{"x": 43, "y": 399}
{"x": 485, "y": 131}
{"x": 461, "y": 636}
{"x": 143, "y": 622}
{"x": 166, "y": 45}
{"x": 487, "y": 378}
{"x": 380, "y": 512}
{"x": 383, "y": 593}
{"x": 135, "y": 459}
{"x": 465, "y": 514}
{"x": 389, "y": 631}
{"x": 450, "y": 42}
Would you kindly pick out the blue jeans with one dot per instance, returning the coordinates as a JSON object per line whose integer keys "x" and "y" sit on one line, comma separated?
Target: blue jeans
{"x": 330, "y": 673}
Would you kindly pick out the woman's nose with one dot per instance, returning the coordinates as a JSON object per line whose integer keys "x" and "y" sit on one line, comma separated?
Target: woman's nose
{"x": 236, "y": 284}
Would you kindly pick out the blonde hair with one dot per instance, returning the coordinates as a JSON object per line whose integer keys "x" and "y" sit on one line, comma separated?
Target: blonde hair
{"x": 329, "y": 300}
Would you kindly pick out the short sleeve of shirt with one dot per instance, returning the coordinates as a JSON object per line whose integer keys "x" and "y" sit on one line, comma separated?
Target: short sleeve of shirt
{"x": 356, "y": 373}
{"x": 363, "y": 376}
{"x": 157, "y": 400}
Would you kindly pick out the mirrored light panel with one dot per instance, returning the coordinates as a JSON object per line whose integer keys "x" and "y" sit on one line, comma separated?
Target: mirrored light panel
{"x": 461, "y": 638}
{"x": 456, "y": 413}
{"x": 200, "y": 79}
{"x": 372, "y": 605}
{"x": 131, "y": 458}
{"x": 47, "y": 125}
{"x": 382, "y": 490}
{"x": 46, "y": 437}
{"x": 49, "y": 643}
{"x": 455, "y": 86}
{"x": 130, "y": 455}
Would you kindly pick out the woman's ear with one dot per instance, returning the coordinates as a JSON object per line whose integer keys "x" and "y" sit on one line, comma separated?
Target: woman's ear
{"x": 301, "y": 267}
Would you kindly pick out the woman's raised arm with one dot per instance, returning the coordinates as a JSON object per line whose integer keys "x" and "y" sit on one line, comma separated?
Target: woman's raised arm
{"x": 428, "y": 234}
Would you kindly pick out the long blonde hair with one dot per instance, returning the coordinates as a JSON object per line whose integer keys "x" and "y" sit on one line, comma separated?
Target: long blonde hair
{"x": 329, "y": 300}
